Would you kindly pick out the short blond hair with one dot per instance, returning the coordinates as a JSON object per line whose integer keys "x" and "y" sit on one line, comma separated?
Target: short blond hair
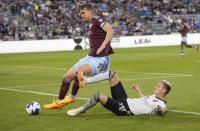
{"x": 86, "y": 6}
{"x": 167, "y": 85}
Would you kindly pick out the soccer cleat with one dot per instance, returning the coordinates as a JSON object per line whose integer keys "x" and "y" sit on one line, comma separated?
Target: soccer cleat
{"x": 66, "y": 101}
{"x": 181, "y": 55}
{"x": 74, "y": 112}
{"x": 53, "y": 105}
{"x": 81, "y": 79}
{"x": 197, "y": 49}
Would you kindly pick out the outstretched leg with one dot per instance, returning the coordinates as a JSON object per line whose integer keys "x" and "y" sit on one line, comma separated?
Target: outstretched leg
{"x": 83, "y": 81}
{"x": 188, "y": 46}
{"x": 181, "y": 52}
{"x": 111, "y": 104}
{"x": 192, "y": 46}
{"x": 86, "y": 69}
{"x": 67, "y": 78}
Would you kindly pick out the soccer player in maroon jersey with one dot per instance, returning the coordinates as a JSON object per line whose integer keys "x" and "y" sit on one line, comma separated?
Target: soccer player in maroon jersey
{"x": 97, "y": 61}
{"x": 183, "y": 29}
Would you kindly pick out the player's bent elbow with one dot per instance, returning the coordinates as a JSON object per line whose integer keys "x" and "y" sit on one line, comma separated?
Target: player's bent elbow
{"x": 112, "y": 32}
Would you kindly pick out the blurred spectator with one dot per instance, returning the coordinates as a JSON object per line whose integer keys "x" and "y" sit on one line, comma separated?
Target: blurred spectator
{"x": 58, "y": 19}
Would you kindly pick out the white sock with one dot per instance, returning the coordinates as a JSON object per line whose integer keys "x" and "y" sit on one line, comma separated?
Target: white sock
{"x": 57, "y": 101}
{"x": 98, "y": 78}
{"x": 92, "y": 102}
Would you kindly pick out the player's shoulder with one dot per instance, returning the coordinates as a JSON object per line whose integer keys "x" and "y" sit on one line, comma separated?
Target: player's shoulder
{"x": 155, "y": 99}
{"x": 98, "y": 18}
{"x": 95, "y": 17}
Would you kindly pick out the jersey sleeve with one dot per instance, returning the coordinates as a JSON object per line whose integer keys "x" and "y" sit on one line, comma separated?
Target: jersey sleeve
{"x": 100, "y": 22}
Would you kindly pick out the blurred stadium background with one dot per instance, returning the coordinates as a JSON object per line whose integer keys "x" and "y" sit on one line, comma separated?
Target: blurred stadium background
{"x": 58, "y": 19}
{"x": 23, "y": 76}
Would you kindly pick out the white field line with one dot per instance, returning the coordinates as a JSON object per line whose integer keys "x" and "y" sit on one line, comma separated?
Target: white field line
{"x": 32, "y": 86}
{"x": 153, "y": 78}
{"x": 57, "y": 68}
{"x": 41, "y": 93}
{"x": 154, "y": 73}
{"x": 185, "y": 112}
{"x": 39, "y": 67}
{"x": 42, "y": 85}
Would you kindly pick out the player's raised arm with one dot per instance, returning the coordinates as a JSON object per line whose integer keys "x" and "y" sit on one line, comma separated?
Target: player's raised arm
{"x": 137, "y": 88}
{"x": 109, "y": 34}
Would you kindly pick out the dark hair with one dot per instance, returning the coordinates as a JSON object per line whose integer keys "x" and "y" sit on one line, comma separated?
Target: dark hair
{"x": 167, "y": 86}
{"x": 86, "y": 6}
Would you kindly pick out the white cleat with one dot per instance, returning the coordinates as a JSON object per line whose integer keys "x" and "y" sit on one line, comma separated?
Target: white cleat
{"x": 181, "y": 55}
{"x": 74, "y": 112}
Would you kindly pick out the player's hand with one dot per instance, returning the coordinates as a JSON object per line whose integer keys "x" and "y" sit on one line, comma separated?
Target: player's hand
{"x": 159, "y": 109}
{"x": 136, "y": 87}
{"x": 100, "y": 49}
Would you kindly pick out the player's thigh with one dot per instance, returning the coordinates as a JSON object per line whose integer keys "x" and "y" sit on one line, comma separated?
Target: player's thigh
{"x": 118, "y": 92}
{"x": 99, "y": 64}
{"x": 116, "y": 107}
{"x": 103, "y": 64}
{"x": 86, "y": 69}
{"x": 85, "y": 65}
{"x": 93, "y": 65}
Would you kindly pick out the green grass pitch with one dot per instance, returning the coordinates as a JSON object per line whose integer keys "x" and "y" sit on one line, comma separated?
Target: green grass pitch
{"x": 42, "y": 72}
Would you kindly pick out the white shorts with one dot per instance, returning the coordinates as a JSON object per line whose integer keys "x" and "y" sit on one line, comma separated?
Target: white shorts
{"x": 98, "y": 64}
{"x": 184, "y": 39}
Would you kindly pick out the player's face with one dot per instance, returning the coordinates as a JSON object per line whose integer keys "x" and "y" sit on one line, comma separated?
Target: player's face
{"x": 159, "y": 88}
{"x": 85, "y": 15}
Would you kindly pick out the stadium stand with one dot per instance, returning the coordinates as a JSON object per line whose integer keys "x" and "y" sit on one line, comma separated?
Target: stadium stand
{"x": 58, "y": 19}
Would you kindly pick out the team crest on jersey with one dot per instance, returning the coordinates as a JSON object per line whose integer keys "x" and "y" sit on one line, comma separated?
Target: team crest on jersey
{"x": 155, "y": 100}
{"x": 90, "y": 25}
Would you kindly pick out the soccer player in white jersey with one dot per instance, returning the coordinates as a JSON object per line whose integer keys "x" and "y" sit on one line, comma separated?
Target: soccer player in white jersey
{"x": 121, "y": 105}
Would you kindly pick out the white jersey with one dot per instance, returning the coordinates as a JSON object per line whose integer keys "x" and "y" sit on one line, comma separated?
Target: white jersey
{"x": 146, "y": 105}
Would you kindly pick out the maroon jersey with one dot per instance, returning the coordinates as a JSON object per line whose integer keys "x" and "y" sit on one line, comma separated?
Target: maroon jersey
{"x": 96, "y": 36}
{"x": 183, "y": 30}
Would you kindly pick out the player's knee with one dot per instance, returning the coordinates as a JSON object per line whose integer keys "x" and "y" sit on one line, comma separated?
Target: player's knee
{"x": 66, "y": 80}
{"x": 70, "y": 74}
{"x": 114, "y": 80}
{"x": 103, "y": 99}
{"x": 112, "y": 74}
